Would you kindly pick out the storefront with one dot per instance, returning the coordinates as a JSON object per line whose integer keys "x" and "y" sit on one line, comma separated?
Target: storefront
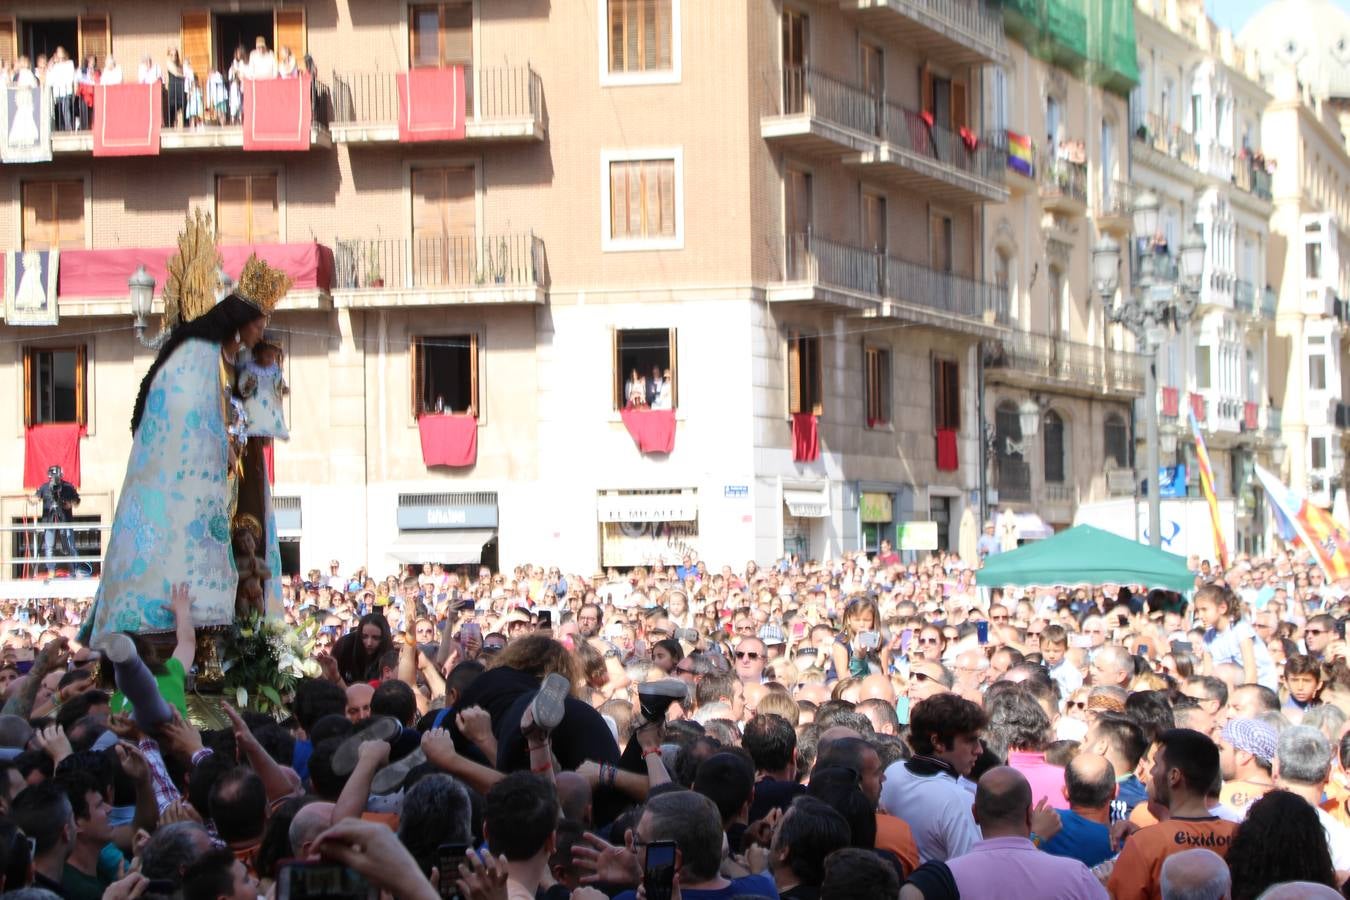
{"x": 804, "y": 506}
{"x": 454, "y": 529}
{"x": 286, "y": 511}
{"x": 644, "y": 528}
{"x": 881, "y": 507}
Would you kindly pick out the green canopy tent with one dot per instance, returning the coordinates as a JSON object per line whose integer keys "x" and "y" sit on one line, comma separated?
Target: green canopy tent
{"x": 1086, "y": 556}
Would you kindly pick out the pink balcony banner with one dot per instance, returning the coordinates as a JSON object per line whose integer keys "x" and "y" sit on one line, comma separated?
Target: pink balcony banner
{"x": 653, "y": 430}
{"x": 431, "y": 104}
{"x": 805, "y": 437}
{"x": 92, "y": 274}
{"x": 127, "y": 118}
{"x": 277, "y": 114}
{"x": 449, "y": 440}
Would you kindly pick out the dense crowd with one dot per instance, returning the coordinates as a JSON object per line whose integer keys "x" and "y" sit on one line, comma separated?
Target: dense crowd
{"x": 867, "y": 727}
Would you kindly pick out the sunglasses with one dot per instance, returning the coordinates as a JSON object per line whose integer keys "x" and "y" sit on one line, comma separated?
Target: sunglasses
{"x": 1314, "y": 631}
{"x": 1077, "y": 704}
{"x": 930, "y": 640}
{"x": 746, "y": 654}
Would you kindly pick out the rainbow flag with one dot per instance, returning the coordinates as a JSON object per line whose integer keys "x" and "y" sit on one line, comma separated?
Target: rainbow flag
{"x": 1207, "y": 488}
{"x": 1020, "y": 154}
{"x": 1327, "y": 539}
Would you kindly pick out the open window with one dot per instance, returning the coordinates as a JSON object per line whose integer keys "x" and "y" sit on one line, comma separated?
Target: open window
{"x": 946, "y": 394}
{"x": 877, "y": 364}
{"x": 54, "y": 380}
{"x": 645, "y": 374}
{"x": 445, "y": 375}
{"x": 209, "y": 40}
{"x": 1116, "y": 437}
{"x": 804, "y": 375}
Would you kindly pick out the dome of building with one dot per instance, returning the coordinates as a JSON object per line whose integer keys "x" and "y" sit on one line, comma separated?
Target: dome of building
{"x": 1311, "y": 36}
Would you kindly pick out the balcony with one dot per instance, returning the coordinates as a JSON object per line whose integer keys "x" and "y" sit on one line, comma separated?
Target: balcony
{"x": 1250, "y": 175}
{"x": 1064, "y": 187}
{"x": 959, "y": 32}
{"x": 1244, "y": 297}
{"x": 1170, "y": 140}
{"x": 79, "y": 139}
{"x": 822, "y": 116}
{"x": 1274, "y": 421}
{"x": 1012, "y": 477}
{"x": 817, "y": 270}
{"x": 1034, "y": 360}
{"x": 455, "y": 270}
{"x": 921, "y": 155}
{"x": 503, "y": 104}
{"x": 1113, "y": 211}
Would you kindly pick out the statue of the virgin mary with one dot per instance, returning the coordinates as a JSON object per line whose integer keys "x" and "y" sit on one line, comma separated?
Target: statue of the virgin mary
{"x": 196, "y": 488}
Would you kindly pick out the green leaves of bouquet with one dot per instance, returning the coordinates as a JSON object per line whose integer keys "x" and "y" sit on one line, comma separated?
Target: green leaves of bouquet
{"x": 263, "y": 660}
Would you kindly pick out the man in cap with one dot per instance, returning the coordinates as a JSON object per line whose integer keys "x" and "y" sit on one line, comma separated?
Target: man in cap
{"x": 775, "y": 640}
{"x": 1246, "y": 754}
{"x": 58, "y": 498}
{"x": 988, "y": 544}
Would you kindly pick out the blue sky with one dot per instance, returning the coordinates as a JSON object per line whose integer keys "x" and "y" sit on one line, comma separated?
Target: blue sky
{"x": 1234, "y": 13}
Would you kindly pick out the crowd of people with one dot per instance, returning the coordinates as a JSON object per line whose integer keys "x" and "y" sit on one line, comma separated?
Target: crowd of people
{"x": 867, "y": 727}
{"x": 190, "y": 99}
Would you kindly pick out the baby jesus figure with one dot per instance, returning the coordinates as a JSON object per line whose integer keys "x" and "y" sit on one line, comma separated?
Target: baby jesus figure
{"x": 262, "y": 388}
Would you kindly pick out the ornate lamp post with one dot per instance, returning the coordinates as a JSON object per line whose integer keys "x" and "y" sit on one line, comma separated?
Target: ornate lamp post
{"x": 1162, "y": 300}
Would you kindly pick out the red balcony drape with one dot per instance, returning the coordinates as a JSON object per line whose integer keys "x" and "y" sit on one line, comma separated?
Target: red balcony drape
{"x": 431, "y": 104}
{"x": 277, "y": 113}
{"x": 652, "y": 429}
{"x": 946, "y": 450}
{"x": 449, "y": 440}
{"x": 127, "y": 119}
{"x": 51, "y": 445}
{"x": 805, "y": 437}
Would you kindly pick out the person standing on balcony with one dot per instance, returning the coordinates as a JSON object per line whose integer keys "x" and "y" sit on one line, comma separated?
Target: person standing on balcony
{"x": 262, "y": 63}
{"x": 175, "y": 87}
{"x": 286, "y": 65}
{"x": 148, "y": 72}
{"x": 59, "y": 499}
{"x": 112, "y": 72}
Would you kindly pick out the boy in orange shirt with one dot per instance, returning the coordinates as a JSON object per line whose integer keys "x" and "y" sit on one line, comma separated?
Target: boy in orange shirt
{"x": 1185, "y": 770}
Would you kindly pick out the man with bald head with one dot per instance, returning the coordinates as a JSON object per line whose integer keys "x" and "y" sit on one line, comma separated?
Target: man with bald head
{"x": 1197, "y": 874}
{"x": 1006, "y": 863}
{"x": 749, "y": 659}
{"x": 358, "y": 701}
{"x": 752, "y": 692}
{"x": 1085, "y": 833}
{"x": 311, "y": 821}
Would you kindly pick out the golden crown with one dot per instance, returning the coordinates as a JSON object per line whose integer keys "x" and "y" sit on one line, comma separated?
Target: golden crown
{"x": 262, "y": 285}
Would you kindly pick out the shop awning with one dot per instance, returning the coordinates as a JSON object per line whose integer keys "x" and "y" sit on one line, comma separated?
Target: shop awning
{"x": 807, "y": 504}
{"x": 1031, "y": 527}
{"x": 453, "y": 546}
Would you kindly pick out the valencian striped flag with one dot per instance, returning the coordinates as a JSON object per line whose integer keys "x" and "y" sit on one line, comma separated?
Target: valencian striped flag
{"x": 1020, "y": 153}
{"x": 1327, "y": 539}
{"x": 1207, "y": 488}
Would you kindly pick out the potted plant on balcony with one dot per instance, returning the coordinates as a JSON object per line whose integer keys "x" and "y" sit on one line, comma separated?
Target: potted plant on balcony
{"x": 374, "y": 277}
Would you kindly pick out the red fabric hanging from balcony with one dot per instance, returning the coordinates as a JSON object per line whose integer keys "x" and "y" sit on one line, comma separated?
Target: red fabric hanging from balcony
{"x": 90, "y": 274}
{"x": 127, "y": 119}
{"x": 449, "y": 440}
{"x": 652, "y": 429}
{"x": 805, "y": 437}
{"x": 51, "y": 445}
{"x": 277, "y": 114}
{"x": 946, "y": 450}
{"x": 431, "y": 104}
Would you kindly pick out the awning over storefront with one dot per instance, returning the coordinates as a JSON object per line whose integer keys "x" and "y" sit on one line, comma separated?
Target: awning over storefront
{"x": 808, "y": 503}
{"x": 452, "y": 547}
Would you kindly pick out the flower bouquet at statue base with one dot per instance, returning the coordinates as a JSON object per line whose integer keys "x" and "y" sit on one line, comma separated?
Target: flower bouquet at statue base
{"x": 263, "y": 659}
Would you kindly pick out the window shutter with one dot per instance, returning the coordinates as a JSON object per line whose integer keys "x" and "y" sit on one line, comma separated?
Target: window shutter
{"x": 619, "y": 376}
{"x": 93, "y": 38}
{"x": 457, "y": 33}
{"x": 815, "y": 374}
{"x": 416, "y": 362}
{"x": 264, "y": 221}
{"x": 69, "y": 214}
{"x": 926, "y": 83}
{"x": 288, "y": 30}
{"x": 424, "y": 35}
{"x": 794, "y": 373}
{"x": 959, "y": 119}
{"x": 232, "y": 209}
{"x": 637, "y": 221}
{"x": 196, "y": 40}
{"x": 671, "y": 343}
{"x": 29, "y": 400}
{"x": 473, "y": 375}
{"x": 666, "y": 173}
{"x": 39, "y": 215}
{"x": 664, "y": 35}
{"x": 9, "y": 40}
{"x": 618, "y": 201}
{"x": 81, "y": 408}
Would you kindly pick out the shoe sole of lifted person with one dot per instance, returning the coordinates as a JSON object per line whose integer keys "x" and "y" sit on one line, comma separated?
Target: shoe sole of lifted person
{"x": 656, "y": 697}
{"x": 117, "y": 647}
{"x": 379, "y": 728}
{"x": 392, "y": 776}
{"x": 549, "y": 705}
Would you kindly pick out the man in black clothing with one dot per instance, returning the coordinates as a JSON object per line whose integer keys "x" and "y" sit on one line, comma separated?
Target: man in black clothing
{"x": 808, "y": 832}
{"x": 58, "y": 498}
{"x": 43, "y": 812}
{"x": 771, "y": 742}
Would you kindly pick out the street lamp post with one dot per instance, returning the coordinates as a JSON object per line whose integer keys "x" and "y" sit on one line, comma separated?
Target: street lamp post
{"x": 1162, "y": 299}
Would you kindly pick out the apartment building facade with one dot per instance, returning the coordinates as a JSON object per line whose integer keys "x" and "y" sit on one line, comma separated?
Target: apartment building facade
{"x": 1197, "y": 144}
{"x": 1063, "y": 369}
{"x": 780, "y": 203}
{"x": 1299, "y": 51}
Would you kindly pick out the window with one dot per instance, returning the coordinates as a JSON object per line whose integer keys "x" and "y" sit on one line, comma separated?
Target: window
{"x": 53, "y": 215}
{"x": 1003, "y": 278}
{"x": 1052, "y": 440}
{"x": 804, "y": 374}
{"x": 1116, "y": 438}
{"x": 441, "y": 34}
{"x": 946, "y": 394}
{"x": 1317, "y": 453}
{"x": 1317, "y": 372}
{"x": 1108, "y": 156}
{"x": 54, "y": 385}
{"x": 644, "y": 368}
{"x": 641, "y": 42}
{"x": 443, "y": 226}
{"x": 1007, "y": 431}
{"x": 1055, "y": 304}
{"x": 940, "y": 238}
{"x": 644, "y": 199}
{"x": 1203, "y": 379}
{"x": 247, "y": 209}
{"x": 1312, "y": 259}
{"x": 872, "y": 63}
{"x": 877, "y": 396}
{"x": 874, "y": 222}
{"x": 445, "y": 374}
{"x": 1053, "y": 114}
{"x": 795, "y": 43}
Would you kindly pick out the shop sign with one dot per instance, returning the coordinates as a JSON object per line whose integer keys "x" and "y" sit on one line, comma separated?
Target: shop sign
{"x": 875, "y": 507}
{"x": 665, "y": 507}
{"x": 916, "y": 536}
